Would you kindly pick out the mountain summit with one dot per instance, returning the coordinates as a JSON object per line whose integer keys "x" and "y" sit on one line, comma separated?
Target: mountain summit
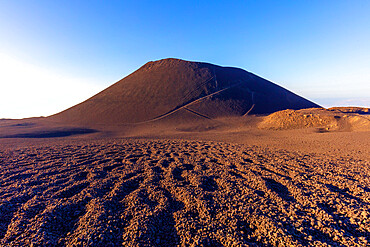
{"x": 174, "y": 87}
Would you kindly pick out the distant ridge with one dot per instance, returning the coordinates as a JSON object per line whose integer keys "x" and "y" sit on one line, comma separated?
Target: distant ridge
{"x": 182, "y": 89}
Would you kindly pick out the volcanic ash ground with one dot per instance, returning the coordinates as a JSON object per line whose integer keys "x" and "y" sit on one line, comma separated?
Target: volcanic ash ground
{"x": 180, "y": 193}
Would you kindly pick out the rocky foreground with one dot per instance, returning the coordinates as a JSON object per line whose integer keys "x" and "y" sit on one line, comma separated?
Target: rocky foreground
{"x": 180, "y": 193}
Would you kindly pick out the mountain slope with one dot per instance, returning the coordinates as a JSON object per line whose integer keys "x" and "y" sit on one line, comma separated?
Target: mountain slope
{"x": 161, "y": 88}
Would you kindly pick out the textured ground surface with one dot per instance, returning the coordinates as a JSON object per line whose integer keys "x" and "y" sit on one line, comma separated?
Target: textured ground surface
{"x": 187, "y": 193}
{"x": 336, "y": 119}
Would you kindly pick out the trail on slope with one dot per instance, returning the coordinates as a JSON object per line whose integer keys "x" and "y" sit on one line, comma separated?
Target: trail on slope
{"x": 188, "y": 104}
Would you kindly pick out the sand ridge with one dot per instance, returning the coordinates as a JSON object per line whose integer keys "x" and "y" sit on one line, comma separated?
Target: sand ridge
{"x": 334, "y": 119}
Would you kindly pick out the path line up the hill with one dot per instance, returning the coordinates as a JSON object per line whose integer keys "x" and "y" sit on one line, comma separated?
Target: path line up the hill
{"x": 253, "y": 104}
{"x": 197, "y": 113}
{"x": 188, "y": 104}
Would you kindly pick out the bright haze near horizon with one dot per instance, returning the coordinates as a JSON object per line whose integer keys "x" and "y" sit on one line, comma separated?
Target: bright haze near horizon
{"x": 55, "y": 54}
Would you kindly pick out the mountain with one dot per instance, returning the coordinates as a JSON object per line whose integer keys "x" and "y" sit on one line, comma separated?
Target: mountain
{"x": 171, "y": 88}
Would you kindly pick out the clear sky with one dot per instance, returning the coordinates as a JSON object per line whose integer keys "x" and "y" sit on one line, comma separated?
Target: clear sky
{"x": 54, "y": 54}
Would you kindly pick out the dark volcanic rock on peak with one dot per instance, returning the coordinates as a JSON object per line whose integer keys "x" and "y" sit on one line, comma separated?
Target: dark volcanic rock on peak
{"x": 180, "y": 89}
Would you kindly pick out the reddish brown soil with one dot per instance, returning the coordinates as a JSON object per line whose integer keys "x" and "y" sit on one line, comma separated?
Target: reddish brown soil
{"x": 187, "y": 89}
{"x": 160, "y": 192}
{"x": 170, "y": 156}
{"x": 334, "y": 119}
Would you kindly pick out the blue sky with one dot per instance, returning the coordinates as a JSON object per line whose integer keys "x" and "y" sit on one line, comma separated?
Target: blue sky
{"x": 54, "y": 54}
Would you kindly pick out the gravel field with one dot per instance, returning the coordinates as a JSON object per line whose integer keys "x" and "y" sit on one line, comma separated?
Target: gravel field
{"x": 148, "y": 192}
